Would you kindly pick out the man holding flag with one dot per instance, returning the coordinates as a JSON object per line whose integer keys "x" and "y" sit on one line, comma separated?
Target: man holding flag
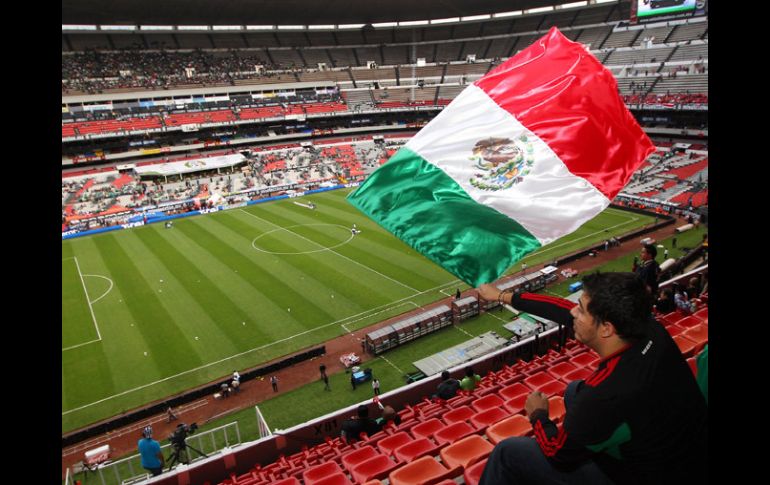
{"x": 523, "y": 156}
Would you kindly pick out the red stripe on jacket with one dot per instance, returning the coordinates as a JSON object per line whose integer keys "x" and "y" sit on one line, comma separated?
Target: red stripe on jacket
{"x": 549, "y": 446}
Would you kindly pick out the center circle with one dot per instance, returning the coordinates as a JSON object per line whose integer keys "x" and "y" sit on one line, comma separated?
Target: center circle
{"x": 324, "y": 248}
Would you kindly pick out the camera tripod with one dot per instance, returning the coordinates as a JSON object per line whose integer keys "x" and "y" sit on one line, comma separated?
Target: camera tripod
{"x": 181, "y": 455}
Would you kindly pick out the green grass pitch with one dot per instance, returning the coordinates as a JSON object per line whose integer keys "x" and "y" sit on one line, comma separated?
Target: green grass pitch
{"x": 150, "y": 312}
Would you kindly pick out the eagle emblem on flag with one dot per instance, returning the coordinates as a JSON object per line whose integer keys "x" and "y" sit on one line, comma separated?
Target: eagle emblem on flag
{"x": 504, "y": 162}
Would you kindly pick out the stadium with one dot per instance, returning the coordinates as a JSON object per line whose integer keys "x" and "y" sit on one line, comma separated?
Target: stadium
{"x": 210, "y": 152}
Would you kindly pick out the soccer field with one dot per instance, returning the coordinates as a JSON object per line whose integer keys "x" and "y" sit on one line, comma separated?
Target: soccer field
{"x": 149, "y": 312}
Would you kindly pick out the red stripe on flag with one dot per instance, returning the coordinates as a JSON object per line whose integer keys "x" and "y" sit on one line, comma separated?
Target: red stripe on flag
{"x": 563, "y": 94}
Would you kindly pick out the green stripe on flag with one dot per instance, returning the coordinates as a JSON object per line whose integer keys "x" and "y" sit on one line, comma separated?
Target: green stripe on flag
{"x": 428, "y": 210}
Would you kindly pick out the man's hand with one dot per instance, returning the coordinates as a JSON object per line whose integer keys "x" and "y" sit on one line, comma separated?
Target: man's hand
{"x": 489, "y": 292}
{"x": 536, "y": 400}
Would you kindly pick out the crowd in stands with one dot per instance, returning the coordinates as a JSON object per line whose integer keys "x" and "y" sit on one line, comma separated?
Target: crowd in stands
{"x": 673, "y": 100}
{"x": 91, "y": 195}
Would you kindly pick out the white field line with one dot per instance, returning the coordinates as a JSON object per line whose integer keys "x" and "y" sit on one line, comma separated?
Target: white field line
{"x": 381, "y": 311}
{"x": 337, "y": 322}
{"x": 463, "y": 331}
{"x": 491, "y": 314}
{"x": 108, "y": 289}
{"x": 330, "y": 250}
{"x": 90, "y": 308}
{"x": 549, "y": 248}
{"x": 391, "y": 364}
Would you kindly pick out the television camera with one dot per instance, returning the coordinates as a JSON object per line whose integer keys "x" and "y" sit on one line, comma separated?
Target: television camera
{"x": 178, "y": 440}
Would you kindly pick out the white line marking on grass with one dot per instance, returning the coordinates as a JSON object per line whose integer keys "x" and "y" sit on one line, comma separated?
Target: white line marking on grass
{"x": 495, "y": 316}
{"x": 330, "y": 250}
{"x": 108, "y": 289}
{"x": 463, "y": 331}
{"x": 93, "y": 317}
{"x": 337, "y": 322}
{"x": 392, "y": 364}
{"x": 381, "y": 311}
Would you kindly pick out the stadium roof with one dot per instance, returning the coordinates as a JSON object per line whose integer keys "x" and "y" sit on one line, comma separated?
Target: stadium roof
{"x": 246, "y": 12}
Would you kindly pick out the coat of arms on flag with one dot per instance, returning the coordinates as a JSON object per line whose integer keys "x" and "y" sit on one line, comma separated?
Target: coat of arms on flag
{"x": 504, "y": 162}
{"x": 523, "y": 156}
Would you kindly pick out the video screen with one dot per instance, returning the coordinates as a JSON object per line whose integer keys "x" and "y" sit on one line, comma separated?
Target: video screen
{"x": 649, "y": 8}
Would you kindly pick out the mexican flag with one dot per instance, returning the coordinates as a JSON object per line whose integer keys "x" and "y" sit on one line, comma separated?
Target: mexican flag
{"x": 523, "y": 156}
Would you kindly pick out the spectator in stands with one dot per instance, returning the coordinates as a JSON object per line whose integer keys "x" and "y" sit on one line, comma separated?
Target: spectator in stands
{"x": 389, "y": 415}
{"x": 149, "y": 449}
{"x": 640, "y": 418}
{"x": 665, "y": 302}
{"x": 648, "y": 268}
{"x": 470, "y": 380}
{"x": 693, "y": 288}
{"x": 361, "y": 423}
{"x": 448, "y": 387}
{"x": 681, "y": 300}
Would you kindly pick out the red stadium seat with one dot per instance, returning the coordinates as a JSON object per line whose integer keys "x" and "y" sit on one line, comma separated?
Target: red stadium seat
{"x": 553, "y": 388}
{"x": 490, "y": 416}
{"x": 689, "y": 321}
{"x": 415, "y": 449}
{"x": 516, "y": 404}
{"x": 586, "y": 359}
{"x": 698, "y": 334}
{"x": 334, "y": 479}
{"x": 686, "y": 346}
{"x": 514, "y": 390}
{"x": 536, "y": 381}
{"x": 421, "y": 471}
{"x": 472, "y": 474}
{"x": 426, "y": 429}
{"x": 516, "y": 425}
{"x": 561, "y": 369}
{"x": 577, "y": 374}
{"x": 389, "y": 444}
{"x": 703, "y": 313}
{"x": 377, "y": 467}
{"x": 312, "y": 475}
{"x": 486, "y": 402}
{"x": 353, "y": 458}
{"x": 466, "y": 451}
{"x": 456, "y": 415}
{"x": 670, "y": 318}
{"x": 453, "y": 432}
{"x": 674, "y": 330}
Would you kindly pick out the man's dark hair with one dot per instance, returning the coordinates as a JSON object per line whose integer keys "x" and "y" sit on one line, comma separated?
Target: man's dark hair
{"x": 445, "y": 375}
{"x": 619, "y": 298}
{"x": 651, "y": 250}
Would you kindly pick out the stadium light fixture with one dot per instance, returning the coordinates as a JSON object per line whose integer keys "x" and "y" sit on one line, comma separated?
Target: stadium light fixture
{"x": 384, "y": 24}
{"x": 474, "y": 17}
{"x": 260, "y": 27}
{"x": 156, "y": 27}
{"x": 350, "y": 26}
{"x": 78, "y": 27}
{"x": 539, "y": 9}
{"x": 320, "y": 27}
{"x": 192, "y": 27}
{"x": 604, "y": 1}
{"x": 413, "y": 22}
{"x": 508, "y": 14}
{"x": 226, "y": 27}
{"x": 291, "y": 27}
{"x": 445, "y": 21}
{"x": 572, "y": 5}
{"x": 117, "y": 27}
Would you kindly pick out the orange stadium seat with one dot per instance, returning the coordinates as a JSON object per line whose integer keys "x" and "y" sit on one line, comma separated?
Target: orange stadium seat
{"x": 537, "y": 381}
{"x": 490, "y": 416}
{"x": 312, "y": 475}
{"x": 472, "y": 474}
{"x": 376, "y": 467}
{"x": 351, "y": 459}
{"x": 553, "y": 388}
{"x": 415, "y": 449}
{"x": 689, "y": 321}
{"x": 698, "y": 334}
{"x": 685, "y": 345}
{"x": 456, "y": 415}
{"x": 453, "y": 432}
{"x": 421, "y": 471}
{"x": 556, "y": 409}
{"x": 426, "y": 429}
{"x": 486, "y": 402}
{"x": 333, "y": 479}
{"x": 389, "y": 444}
{"x": 466, "y": 452}
{"x": 516, "y": 425}
{"x": 561, "y": 369}
{"x": 516, "y": 405}
{"x": 516, "y": 389}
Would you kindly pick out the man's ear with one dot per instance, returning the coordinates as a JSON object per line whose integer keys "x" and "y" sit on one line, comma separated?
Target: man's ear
{"x": 607, "y": 329}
